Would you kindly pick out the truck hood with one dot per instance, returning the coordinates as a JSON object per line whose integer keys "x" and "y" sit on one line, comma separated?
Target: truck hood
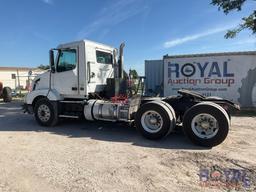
{"x": 41, "y": 81}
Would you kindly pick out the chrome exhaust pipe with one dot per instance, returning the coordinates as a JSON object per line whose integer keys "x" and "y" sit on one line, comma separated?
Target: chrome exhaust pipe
{"x": 121, "y": 61}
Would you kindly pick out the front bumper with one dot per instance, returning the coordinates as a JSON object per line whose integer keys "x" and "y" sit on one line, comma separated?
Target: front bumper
{"x": 27, "y": 108}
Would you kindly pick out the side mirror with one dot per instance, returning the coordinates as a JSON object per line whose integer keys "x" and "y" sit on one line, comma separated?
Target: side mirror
{"x": 51, "y": 58}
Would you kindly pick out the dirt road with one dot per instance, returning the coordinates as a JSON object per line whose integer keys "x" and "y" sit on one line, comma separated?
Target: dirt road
{"x": 80, "y": 156}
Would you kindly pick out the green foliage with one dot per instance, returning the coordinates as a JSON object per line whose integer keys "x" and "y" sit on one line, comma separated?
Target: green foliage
{"x": 134, "y": 74}
{"x": 43, "y": 67}
{"x": 247, "y": 22}
{"x": 229, "y": 5}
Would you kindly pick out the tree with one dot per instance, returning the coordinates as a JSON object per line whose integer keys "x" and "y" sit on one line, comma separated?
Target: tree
{"x": 247, "y": 22}
{"x": 43, "y": 67}
{"x": 133, "y": 73}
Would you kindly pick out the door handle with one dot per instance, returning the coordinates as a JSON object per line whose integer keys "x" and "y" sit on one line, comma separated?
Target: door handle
{"x": 74, "y": 88}
{"x": 89, "y": 71}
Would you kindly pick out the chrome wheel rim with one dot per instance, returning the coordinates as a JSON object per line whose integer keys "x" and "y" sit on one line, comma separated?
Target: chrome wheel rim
{"x": 44, "y": 113}
{"x": 205, "y": 126}
{"x": 151, "y": 121}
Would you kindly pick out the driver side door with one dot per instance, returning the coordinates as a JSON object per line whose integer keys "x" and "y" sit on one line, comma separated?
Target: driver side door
{"x": 65, "y": 78}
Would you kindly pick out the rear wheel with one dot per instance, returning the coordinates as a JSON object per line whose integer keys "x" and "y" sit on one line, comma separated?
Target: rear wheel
{"x": 154, "y": 120}
{"x": 46, "y": 113}
{"x": 206, "y": 124}
{"x": 7, "y": 94}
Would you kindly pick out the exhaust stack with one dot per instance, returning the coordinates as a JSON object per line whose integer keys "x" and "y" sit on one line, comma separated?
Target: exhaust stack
{"x": 121, "y": 61}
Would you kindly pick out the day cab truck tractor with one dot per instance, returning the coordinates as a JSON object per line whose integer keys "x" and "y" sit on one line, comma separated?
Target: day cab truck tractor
{"x": 86, "y": 79}
{"x": 5, "y": 93}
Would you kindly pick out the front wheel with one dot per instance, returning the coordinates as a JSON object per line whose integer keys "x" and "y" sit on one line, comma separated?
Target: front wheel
{"x": 206, "y": 124}
{"x": 45, "y": 112}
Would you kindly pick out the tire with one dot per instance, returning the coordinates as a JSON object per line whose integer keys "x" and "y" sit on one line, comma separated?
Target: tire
{"x": 214, "y": 124}
{"x": 46, "y": 113}
{"x": 172, "y": 118}
{"x": 7, "y": 94}
{"x": 163, "y": 117}
{"x": 219, "y": 98}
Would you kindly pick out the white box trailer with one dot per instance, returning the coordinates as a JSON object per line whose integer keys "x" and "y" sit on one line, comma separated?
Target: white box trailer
{"x": 228, "y": 75}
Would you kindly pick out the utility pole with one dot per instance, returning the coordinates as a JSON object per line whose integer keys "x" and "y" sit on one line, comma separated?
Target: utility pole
{"x": 18, "y": 76}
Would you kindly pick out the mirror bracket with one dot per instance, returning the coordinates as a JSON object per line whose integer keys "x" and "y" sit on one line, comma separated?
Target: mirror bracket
{"x": 51, "y": 61}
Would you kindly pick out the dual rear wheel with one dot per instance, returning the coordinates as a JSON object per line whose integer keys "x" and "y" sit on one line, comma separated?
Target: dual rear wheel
{"x": 155, "y": 120}
{"x": 205, "y": 124}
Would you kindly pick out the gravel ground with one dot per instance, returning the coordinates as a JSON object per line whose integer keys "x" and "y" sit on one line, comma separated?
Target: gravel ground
{"x": 86, "y": 156}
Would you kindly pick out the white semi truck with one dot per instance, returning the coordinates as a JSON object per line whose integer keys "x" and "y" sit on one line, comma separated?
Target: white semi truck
{"x": 85, "y": 76}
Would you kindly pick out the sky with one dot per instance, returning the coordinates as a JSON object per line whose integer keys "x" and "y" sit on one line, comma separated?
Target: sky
{"x": 149, "y": 28}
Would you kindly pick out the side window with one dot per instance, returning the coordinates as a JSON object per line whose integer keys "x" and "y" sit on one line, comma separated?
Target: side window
{"x": 67, "y": 60}
{"x": 104, "y": 57}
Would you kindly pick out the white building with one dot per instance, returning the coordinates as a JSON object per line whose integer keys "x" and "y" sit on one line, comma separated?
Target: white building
{"x": 15, "y": 77}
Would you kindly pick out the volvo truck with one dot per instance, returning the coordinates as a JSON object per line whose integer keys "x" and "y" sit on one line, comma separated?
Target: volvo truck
{"x": 87, "y": 79}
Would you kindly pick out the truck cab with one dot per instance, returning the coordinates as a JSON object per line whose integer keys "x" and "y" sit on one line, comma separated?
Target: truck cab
{"x": 77, "y": 69}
